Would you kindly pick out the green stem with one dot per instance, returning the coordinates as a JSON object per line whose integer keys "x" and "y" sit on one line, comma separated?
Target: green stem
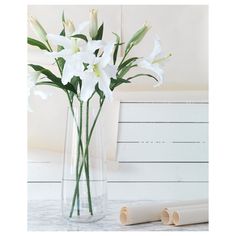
{"x": 126, "y": 53}
{"x": 93, "y": 126}
{"x": 87, "y": 158}
{"x": 78, "y": 158}
{"x": 80, "y": 146}
{"x": 74, "y": 117}
{"x": 76, "y": 189}
{"x": 84, "y": 164}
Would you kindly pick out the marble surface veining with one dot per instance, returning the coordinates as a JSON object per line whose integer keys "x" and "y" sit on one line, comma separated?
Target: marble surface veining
{"x": 45, "y": 215}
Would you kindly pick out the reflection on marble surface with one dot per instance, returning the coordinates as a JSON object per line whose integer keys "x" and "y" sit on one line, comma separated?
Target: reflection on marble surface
{"x": 45, "y": 215}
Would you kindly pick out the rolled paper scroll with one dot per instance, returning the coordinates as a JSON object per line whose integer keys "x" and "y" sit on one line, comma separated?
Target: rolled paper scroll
{"x": 190, "y": 216}
{"x": 150, "y": 211}
{"x": 167, "y": 213}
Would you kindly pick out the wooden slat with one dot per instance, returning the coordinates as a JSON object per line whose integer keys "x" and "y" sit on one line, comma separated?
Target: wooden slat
{"x": 50, "y": 171}
{"x": 44, "y": 191}
{"x": 45, "y": 166}
{"x": 129, "y": 191}
{"x": 131, "y": 172}
{"x": 160, "y": 172}
{"x": 148, "y": 152}
{"x": 157, "y": 191}
{"x": 159, "y": 112}
{"x": 159, "y": 132}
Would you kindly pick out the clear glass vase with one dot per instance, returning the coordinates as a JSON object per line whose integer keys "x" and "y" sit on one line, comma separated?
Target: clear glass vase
{"x": 84, "y": 195}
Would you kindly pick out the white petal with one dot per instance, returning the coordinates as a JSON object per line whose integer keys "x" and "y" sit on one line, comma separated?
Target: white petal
{"x": 68, "y": 72}
{"x": 145, "y": 64}
{"x": 107, "y": 54}
{"x": 156, "y": 50}
{"x": 93, "y": 45}
{"x": 33, "y": 76}
{"x": 86, "y": 57}
{"x": 63, "y": 53}
{"x": 159, "y": 72}
{"x": 32, "y": 79}
{"x": 111, "y": 71}
{"x": 59, "y": 40}
{"x": 152, "y": 67}
{"x": 104, "y": 85}
{"x": 88, "y": 86}
{"x": 81, "y": 27}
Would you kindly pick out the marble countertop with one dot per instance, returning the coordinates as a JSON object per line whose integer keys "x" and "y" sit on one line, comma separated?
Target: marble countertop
{"x": 45, "y": 215}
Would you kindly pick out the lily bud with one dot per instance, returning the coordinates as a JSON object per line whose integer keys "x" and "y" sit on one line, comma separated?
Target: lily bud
{"x": 138, "y": 36}
{"x": 93, "y": 23}
{"x": 37, "y": 28}
{"x": 69, "y": 27}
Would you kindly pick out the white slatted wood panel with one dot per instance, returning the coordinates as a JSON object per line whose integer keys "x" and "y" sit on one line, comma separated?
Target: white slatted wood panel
{"x": 174, "y": 133}
{"x": 160, "y": 172}
{"x": 162, "y": 152}
{"x": 167, "y": 112}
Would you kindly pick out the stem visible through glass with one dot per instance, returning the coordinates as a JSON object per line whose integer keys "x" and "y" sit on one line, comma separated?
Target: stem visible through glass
{"x": 85, "y": 154}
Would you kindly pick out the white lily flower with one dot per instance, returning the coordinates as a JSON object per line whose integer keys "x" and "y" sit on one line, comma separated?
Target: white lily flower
{"x": 70, "y": 44}
{"x": 152, "y": 61}
{"x": 98, "y": 71}
{"x": 74, "y": 62}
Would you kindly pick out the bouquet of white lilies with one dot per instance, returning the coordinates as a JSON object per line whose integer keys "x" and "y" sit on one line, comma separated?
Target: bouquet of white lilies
{"x": 88, "y": 65}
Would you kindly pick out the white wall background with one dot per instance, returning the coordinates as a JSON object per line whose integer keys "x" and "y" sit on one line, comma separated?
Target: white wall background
{"x": 182, "y": 29}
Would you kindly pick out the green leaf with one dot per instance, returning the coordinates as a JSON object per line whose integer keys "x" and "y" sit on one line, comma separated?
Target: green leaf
{"x": 98, "y": 37}
{"x": 63, "y": 32}
{"x": 75, "y": 81}
{"x": 61, "y": 61}
{"x": 100, "y": 92}
{"x": 53, "y": 78}
{"x": 125, "y": 63}
{"x": 49, "y": 83}
{"x": 117, "y": 82}
{"x": 99, "y": 33}
{"x": 46, "y": 72}
{"x": 63, "y": 17}
{"x": 81, "y": 36}
{"x": 125, "y": 70}
{"x": 120, "y": 80}
{"x": 138, "y": 75}
{"x": 116, "y": 48}
{"x": 37, "y": 43}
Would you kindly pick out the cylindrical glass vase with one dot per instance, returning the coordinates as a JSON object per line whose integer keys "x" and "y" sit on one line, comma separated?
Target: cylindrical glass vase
{"x": 84, "y": 195}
